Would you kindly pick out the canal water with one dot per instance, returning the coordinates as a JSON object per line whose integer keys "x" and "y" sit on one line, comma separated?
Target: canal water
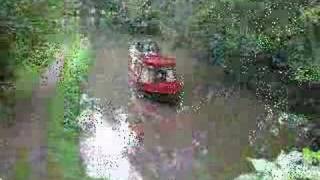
{"x": 217, "y": 126}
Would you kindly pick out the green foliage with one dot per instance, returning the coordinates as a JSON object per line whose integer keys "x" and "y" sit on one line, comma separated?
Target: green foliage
{"x": 265, "y": 43}
{"x": 30, "y": 23}
{"x": 286, "y": 166}
{"x": 22, "y": 167}
{"x": 64, "y": 159}
{"x": 27, "y": 24}
{"x": 303, "y": 48}
{"x": 63, "y": 150}
{"x": 312, "y": 14}
{"x": 311, "y": 157}
{"x": 39, "y": 57}
{"x": 27, "y": 73}
{"x": 6, "y": 113}
{"x": 27, "y": 79}
{"x": 270, "y": 26}
{"x": 307, "y": 74}
{"x": 32, "y": 32}
{"x": 218, "y": 50}
{"x": 292, "y": 120}
{"x": 144, "y": 19}
{"x": 77, "y": 63}
{"x": 25, "y": 49}
{"x": 112, "y": 9}
{"x": 245, "y": 28}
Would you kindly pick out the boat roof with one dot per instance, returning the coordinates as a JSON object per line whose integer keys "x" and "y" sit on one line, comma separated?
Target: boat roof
{"x": 159, "y": 61}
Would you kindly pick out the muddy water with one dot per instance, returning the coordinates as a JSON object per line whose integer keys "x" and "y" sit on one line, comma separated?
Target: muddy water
{"x": 208, "y": 137}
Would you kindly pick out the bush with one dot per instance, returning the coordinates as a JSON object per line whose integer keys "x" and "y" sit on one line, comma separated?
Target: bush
{"x": 25, "y": 49}
{"x": 311, "y": 157}
{"x": 76, "y": 67}
{"x": 286, "y": 166}
{"x": 307, "y": 74}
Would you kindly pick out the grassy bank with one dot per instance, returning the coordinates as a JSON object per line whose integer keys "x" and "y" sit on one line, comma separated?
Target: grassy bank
{"x": 75, "y": 72}
{"x": 64, "y": 159}
{"x": 26, "y": 78}
{"x": 29, "y": 40}
{"x": 35, "y": 34}
{"x": 63, "y": 151}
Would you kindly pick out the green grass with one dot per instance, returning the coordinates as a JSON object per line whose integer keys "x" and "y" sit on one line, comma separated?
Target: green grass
{"x": 22, "y": 169}
{"x": 311, "y": 156}
{"x": 27, "y": 79}
{"x": 64, "y": 156}
{"x": 75, "y": 72}
{"x": 63, "y": 148}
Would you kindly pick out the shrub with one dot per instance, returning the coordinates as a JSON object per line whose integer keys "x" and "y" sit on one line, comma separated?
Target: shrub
{"x": 311, "y": 157}
{"x": 286, "y": 166}
{"x": 76, "y": 67}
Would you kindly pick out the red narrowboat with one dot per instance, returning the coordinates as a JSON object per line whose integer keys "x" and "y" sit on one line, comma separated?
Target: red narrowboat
{"x": 152, "y": 74}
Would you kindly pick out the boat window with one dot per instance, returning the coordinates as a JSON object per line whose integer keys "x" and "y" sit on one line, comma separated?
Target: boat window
{"x": 146, "y": 48}
{"x": 165, "y": 74}
{"x": 161, "y": 75}
{"x": 137, "y": 68}
{"x": 147, "y": 75}
{"x": 150, "y": 47}
{"x": 132, "y": 64}
{"x": 170, "y": 75}
{"x": 154, "y": 47}
{"x": 139, "y": 46}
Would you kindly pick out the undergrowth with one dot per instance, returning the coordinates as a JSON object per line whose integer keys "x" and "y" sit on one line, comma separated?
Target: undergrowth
{"x": 75, "y": 71}
{"x": 63, "y": 150}
{"x": 311, "y": 157}
{"x": 64, "y": 159}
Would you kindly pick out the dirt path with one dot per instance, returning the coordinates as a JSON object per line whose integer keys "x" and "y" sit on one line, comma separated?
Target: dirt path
{"x": 23, "y": 149}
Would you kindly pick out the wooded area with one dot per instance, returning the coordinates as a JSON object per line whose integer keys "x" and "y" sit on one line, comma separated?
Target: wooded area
{"x": 272, "y": 47}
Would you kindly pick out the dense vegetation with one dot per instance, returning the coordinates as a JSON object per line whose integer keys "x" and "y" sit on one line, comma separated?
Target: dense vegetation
{"x": 26, "y": 29}
{"x": 32, "y": 33}
{"x": 265, "y": 45}
{"x": 251, "y": 39}
{"x": 293, "y": 165}
{"x": 288, "y": 31}
{"x": 29, "y": 40}
{"x": 78, "y": 60}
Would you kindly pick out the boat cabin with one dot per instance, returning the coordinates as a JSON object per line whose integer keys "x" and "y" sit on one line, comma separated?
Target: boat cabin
{"x": 151, "y": 72}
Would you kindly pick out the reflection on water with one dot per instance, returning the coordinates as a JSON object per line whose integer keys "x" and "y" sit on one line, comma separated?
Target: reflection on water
{"x": 218, "y": 126}
{"x": 115, "y": 150}
{"x": 174, "y": 145}
{"x": 103, "y": 152}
